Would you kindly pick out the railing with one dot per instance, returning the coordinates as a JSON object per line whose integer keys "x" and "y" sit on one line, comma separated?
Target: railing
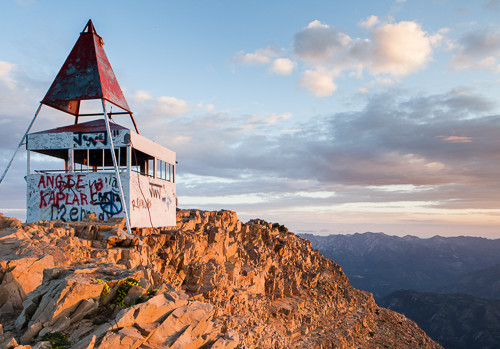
{"x": 99, "y": 170}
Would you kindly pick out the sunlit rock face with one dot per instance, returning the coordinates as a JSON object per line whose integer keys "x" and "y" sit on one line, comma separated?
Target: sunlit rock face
{"x": 209, "y": 282}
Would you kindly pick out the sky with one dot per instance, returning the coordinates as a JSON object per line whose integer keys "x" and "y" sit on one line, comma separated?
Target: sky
{"x": 330, "y": 117}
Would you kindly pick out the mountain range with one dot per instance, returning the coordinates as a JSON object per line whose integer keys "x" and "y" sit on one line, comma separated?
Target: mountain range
{"x": 449, "y": 286}
{"x": 383, "y": 264}
{"x": 454, "y": 320}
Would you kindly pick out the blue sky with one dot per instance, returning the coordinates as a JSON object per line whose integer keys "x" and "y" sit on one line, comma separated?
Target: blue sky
{"x": 326, "y": 116}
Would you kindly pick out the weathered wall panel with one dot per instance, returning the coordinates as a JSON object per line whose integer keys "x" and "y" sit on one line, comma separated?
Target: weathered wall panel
{"x": 152, "y": 202}
{"x": 149, "y": 147}
{"x": 78, "y": 140}
{"x": 70, "y": 196}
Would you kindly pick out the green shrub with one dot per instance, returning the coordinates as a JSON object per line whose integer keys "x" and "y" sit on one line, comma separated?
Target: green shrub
{"x": 123, "y": 287}
{"x": 57, "y": 340}
{"x": 281, "y": 228}
{"x": 106, "y": 289}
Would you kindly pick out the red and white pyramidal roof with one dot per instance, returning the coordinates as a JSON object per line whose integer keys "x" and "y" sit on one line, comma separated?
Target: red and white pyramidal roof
{"x": 86, "y": 74}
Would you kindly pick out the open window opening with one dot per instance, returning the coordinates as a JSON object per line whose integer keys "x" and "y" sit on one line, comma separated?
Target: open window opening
{"x": 164, "y": 170}
{"x": 48, "y": 161}
{"x": 84, "y": 160}
{"x": 148, "y": 165}
{"x": 99, "y": 160}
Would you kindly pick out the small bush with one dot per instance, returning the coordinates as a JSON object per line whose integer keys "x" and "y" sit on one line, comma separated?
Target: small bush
{"x": 281, "y": 228}
{"x": 106, "y": 289}
{"x": 57, "y": 340}
{"x": 123, "y": 287}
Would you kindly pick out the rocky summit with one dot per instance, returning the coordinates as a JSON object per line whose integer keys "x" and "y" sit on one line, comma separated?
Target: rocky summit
{"x": 209, "y": 282}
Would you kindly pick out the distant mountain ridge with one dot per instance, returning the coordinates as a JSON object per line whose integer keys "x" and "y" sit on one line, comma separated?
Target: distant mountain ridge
{"x": 383, "y": 264}
{"x": 454, "y": 320}
{"x": 484, "y": 283}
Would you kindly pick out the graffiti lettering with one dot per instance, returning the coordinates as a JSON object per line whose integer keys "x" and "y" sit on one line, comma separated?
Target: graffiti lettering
{"x": 155, "y": 190}
{"x": 61, "y": 213}
{"x": 59, "y": 181}
{"x": 90, "y": 139}
{"x": 80, "y": 182}
{"x": 55, "y": 198}
{"x": 141, "y": 204}
{"x": 95, "y": 187}
{"x": 57, "y": 212}
{"x": 71, "y": 196}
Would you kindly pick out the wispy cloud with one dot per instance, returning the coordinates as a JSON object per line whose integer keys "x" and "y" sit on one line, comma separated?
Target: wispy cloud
{"x": 479, "y": 49}
{"x": 6, "y": 69}
{"x": 260, "y": 56}
{"x": 369, "y": 22}
{"x": 444, "y": 143}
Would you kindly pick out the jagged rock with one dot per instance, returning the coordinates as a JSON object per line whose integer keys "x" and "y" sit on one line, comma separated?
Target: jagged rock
{"x": 184, "y": 325}
{"x": 127, "y": 337}
{"x": 8, "y": 222}
{"x": 26, "y": 272}
{"x": 151, "y": 311}
{"x": 209, "y": 281}
{"x": 230, "y": 341}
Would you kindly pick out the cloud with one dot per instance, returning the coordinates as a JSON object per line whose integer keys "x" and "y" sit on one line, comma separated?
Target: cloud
{"x": 141, "y": 97}
{"x": 317, "y": 24}
{"x": 207, "y": 107}
{"x": 478, "y": 49}
{"x": 319, "y": 43}
{"x": 251, "y": 58}
{"x": 369, "y": 22}
{"x": 401, "y": 48}
{"x": 456, "y": 139}
{"x": 170, "y": 106}
{"x": 260, "y": 56}
{"x": 157, "y": 108}
{"x": 395, "y": 49}
{"x": 274, "y": 118}
{"x": 442, "y": 143}
{"x": 282, "y": 66}
{"x": 379, "y": 81}
{"x": 319, "y": 81}
{"x": 391, "y": 143}
{"x": 6, "y": 69}
{"x": 492, "y": 5}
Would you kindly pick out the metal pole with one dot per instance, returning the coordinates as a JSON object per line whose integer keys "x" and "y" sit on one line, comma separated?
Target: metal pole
{"x": 21, "y": 143}
{"x": 122, "y": 197}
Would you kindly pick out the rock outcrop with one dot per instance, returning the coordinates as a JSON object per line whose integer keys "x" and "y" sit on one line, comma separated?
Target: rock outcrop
{"x": 209, "y": 282}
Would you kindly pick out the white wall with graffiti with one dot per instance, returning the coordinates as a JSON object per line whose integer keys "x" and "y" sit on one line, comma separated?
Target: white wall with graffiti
{"x": 152, "y": 202}
{"x": 78, "y": 140}
{"x": 70, "y": 196}
{"x": 87, "y": 184}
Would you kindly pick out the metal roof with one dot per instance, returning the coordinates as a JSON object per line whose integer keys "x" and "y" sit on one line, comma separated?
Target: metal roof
{"x": 86, "y": 74}
{"x": 89, "y": 126}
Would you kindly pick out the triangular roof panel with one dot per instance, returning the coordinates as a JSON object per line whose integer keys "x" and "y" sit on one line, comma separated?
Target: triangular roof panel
{"x": 86, "y": 74}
